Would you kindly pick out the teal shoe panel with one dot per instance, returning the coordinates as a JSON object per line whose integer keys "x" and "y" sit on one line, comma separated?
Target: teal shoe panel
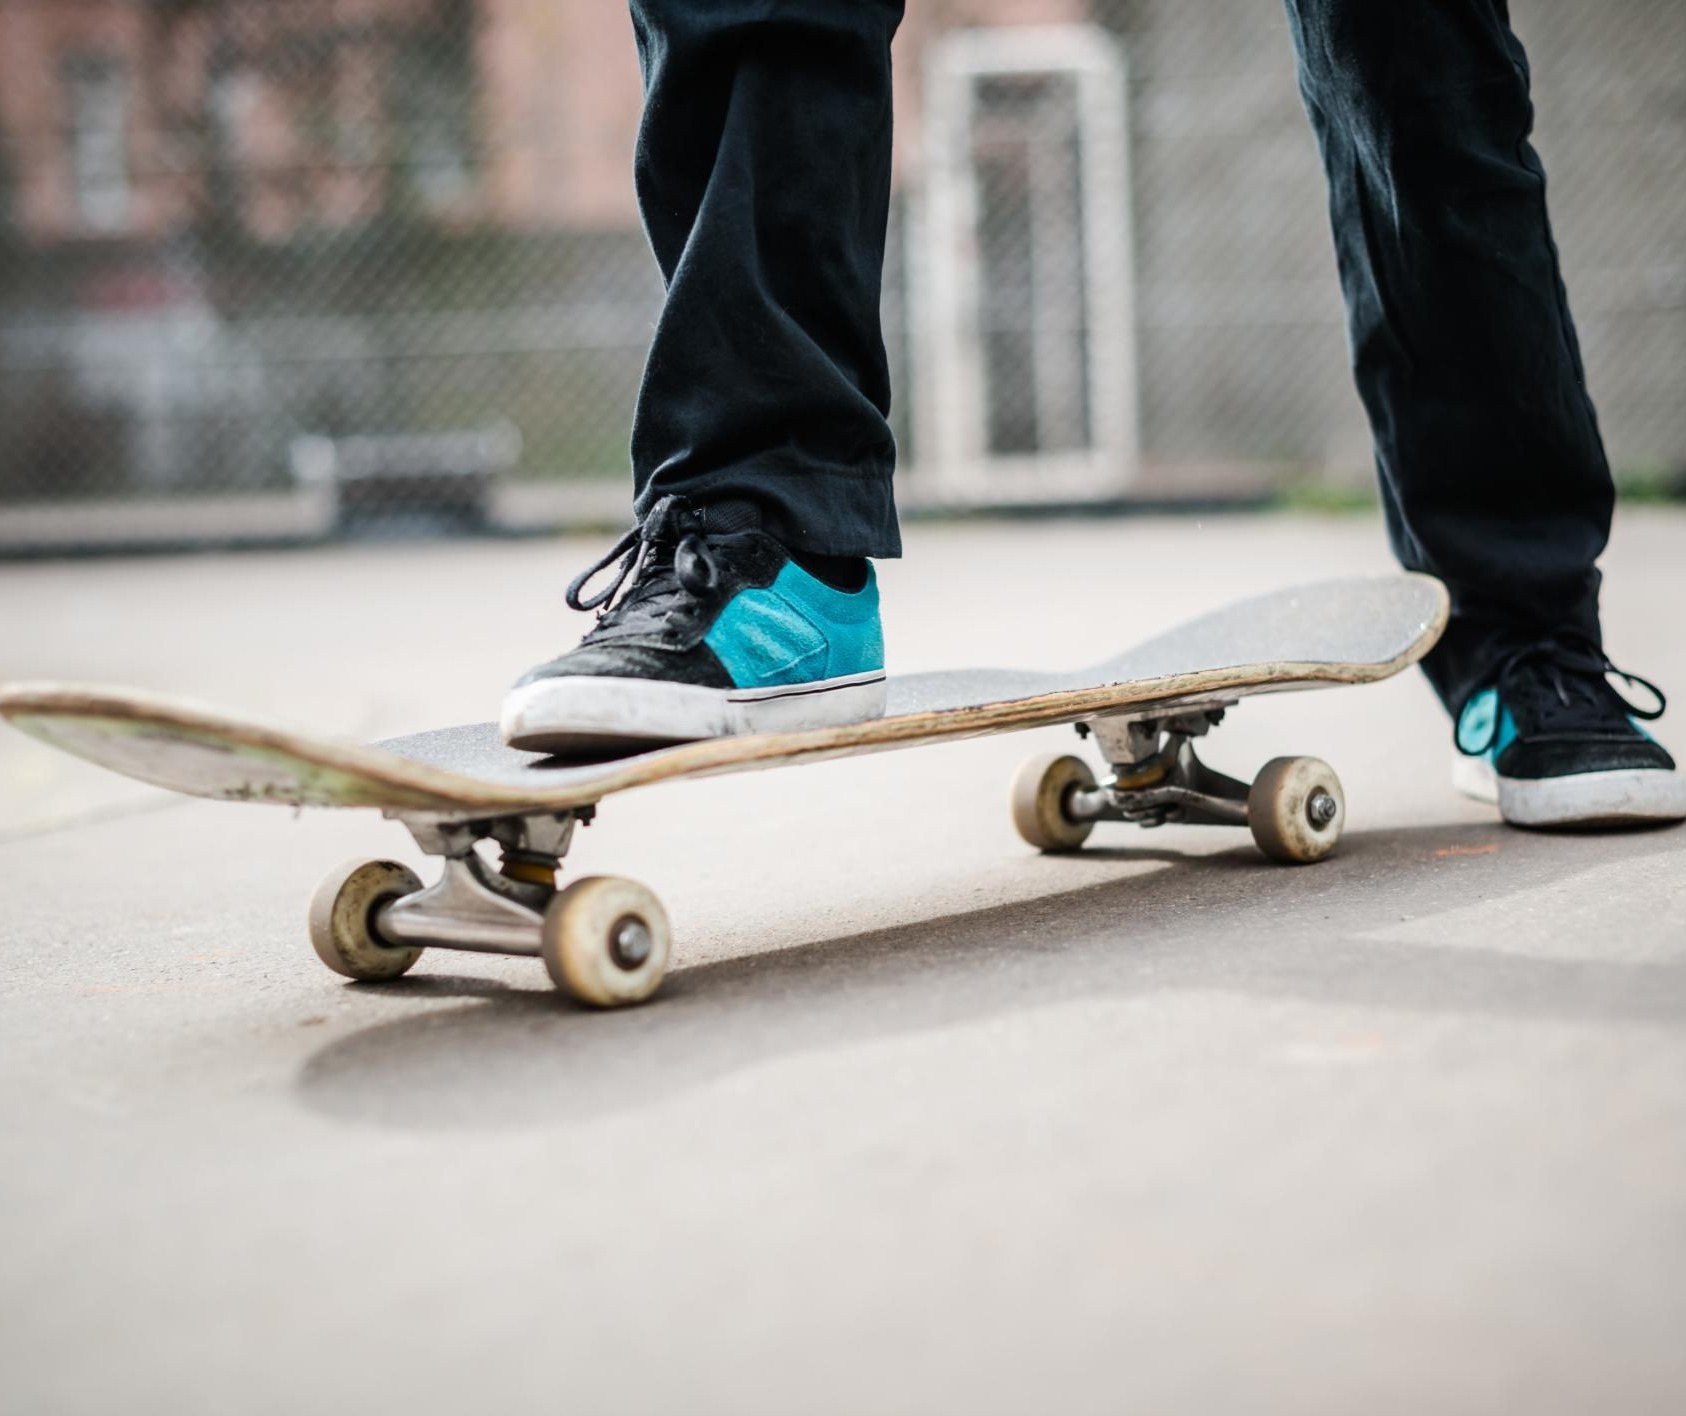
{"x": 1485, "y": 727}
{"x": 799, "y": 630}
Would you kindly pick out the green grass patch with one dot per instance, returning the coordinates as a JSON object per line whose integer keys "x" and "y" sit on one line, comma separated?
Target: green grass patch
{"x": 1325, "y": 499}
{"x": 1651, "y": 484}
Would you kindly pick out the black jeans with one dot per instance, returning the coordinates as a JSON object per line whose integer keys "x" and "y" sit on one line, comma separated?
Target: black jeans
{"x": 763, "y": 173}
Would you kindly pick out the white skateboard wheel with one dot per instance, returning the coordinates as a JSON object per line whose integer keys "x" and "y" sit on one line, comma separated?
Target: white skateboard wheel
{"x": 342, "y": 914}
{"x": 607, "y": 941}
{"x": 1296, "y": 809}
{"x": 1040, "y": 791}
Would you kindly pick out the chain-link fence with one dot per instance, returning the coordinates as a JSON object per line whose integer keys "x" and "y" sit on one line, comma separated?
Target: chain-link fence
{"x": 274, "y": 268}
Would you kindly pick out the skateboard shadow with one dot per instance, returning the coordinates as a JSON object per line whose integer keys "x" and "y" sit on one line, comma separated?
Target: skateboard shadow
{"x": 1357, "y": 930}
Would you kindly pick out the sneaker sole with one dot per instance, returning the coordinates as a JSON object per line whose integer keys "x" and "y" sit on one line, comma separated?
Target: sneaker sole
{"x": 582, "y": 715}
{"x": 1635, "y": 797}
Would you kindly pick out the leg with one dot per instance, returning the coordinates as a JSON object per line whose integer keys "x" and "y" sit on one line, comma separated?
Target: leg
{"x": 763, "y": 174}
{"x": 1493, "y": 472}
{"x": 761, "y": 452}
{"x": 1492, "y": 469}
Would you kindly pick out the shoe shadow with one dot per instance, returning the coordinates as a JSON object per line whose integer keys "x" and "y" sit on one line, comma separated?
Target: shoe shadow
{"x": 1228, "y": 923}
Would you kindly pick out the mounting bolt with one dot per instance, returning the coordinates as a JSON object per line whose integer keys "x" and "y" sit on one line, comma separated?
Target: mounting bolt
{"x": 1321, "y": 809}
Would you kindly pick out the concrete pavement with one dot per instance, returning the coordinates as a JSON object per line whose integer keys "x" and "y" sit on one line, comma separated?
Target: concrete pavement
{"x": 922, "y": 1122}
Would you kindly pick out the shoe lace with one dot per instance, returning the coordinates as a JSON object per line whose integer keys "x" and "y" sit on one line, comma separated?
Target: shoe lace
{"x": 662, "y": 560}
{"x": 1565, "y": 682}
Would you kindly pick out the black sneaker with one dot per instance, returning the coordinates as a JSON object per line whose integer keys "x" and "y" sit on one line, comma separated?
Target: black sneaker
{"x": 714, "y": 632}
{"x": 1553, "y": 743}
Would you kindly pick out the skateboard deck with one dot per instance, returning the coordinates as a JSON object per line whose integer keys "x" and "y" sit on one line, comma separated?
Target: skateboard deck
{"x": 1324, "y": 635}
{"x": 457, "y": 786}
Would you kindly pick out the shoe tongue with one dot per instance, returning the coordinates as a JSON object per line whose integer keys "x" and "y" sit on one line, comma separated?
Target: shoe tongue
{"x": 727, "y": 518}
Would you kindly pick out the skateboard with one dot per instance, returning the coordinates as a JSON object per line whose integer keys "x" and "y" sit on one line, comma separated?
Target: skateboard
{"x": 607, "y": 941}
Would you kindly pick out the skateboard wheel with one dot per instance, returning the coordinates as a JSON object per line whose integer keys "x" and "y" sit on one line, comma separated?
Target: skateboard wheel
{"x": 1040, "y": 792}
{"x": 607, "y": 941}
{"x": 1296, "y": 809}
{"x": 342, "y": 919}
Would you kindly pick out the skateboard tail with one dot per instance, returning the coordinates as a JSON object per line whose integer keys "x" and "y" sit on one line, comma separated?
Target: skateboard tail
{"x": 203, "y": 760}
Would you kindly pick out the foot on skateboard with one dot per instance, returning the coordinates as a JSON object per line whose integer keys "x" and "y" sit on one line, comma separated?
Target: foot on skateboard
{"x": 703, "y": 633}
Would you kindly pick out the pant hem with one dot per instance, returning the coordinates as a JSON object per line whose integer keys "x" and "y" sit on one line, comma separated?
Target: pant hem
{"x": 825, "y": 511}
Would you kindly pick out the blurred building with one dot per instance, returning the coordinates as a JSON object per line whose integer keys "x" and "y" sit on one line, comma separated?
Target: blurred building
{"x": 230, "y": 229}
{"x": 138, "y": 119}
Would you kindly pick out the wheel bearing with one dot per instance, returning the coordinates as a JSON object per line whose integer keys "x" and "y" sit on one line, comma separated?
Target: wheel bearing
{"x": 1321, "y": 809}
{"x": 630, "y": 943}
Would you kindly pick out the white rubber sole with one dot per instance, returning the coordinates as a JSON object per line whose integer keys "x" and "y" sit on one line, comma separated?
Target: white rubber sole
{"x": 1634, "y": 797}
{"x": 581, "y": 715}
